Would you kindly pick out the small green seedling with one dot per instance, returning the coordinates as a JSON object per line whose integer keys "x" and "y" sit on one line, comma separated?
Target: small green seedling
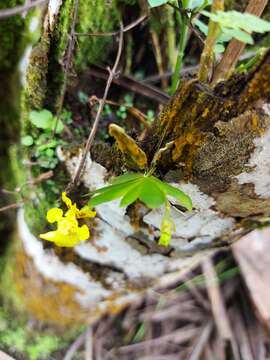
{"x": 42, "y": 144}
{"x": 147, "y": 188}
{"x": 45, "y": 120}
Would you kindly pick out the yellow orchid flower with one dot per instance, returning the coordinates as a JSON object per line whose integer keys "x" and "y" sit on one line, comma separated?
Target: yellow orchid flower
{"x": 85, "y": 212}
{"x": 68, "y": 232}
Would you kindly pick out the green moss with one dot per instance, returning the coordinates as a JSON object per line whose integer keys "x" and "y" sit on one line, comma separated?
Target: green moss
{"x": 7, "y": 284}
{"x": 63, "y": 28}
{"x": 17, "y": 336}
{"x": 20, "y": 339}
{"x": 11, "y": 40}
{"x": 100, "y": 17}
{"x": 43, "y": 347}
{"x": 36, "y": 78}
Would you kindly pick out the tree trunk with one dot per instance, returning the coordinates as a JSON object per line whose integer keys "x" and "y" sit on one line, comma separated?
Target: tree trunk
{"x": 12, "y": 44}
{"x": 220, "y": 157}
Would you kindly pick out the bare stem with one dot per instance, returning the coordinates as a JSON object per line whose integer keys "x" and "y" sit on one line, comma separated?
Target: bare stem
{"x": 113, "y": 33}
{"x": 207, "y": 57}
{"x": 236, "y": 47}
{"x": 91, "y": 137}
{"x": 9, "y": 207}
{"x": 183, "y": 22}
{"x": 6, "y": 13}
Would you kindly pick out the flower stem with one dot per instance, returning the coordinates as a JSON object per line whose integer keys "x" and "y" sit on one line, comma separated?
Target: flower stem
{"x": 183, "y": 24}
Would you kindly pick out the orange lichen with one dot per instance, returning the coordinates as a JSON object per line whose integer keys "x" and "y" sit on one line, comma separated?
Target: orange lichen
{"x": 258, "y": 88}
{"x": 134, "y": 155}
{"x": 48, "y": 301}
{"x": 186, "y": 147}
{"x": 53, "y": 302}
{"x": 205, "y": 113}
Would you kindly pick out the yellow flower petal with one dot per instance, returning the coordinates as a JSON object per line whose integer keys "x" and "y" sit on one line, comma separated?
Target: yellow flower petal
{"x": 54, "y": 214}
{"x": 66, "y": 200}
{"x": 85, "y": 212}
{"x": 68, "y": 232}
{"x": 67, "y": 241}
{"x": 50, "y": 236}
{"x": 68, "y": 225}
{"x": 83, "y": 233}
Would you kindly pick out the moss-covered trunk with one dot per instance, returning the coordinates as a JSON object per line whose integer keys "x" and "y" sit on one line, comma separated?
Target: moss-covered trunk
{"x": 12, "y": 44}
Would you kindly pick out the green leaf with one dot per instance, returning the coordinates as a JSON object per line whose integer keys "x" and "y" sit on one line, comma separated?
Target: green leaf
{"x": 126, "y": 177}
{"x": 239, "y": 35}
{"x": 202, "y": 26}
{"x": 132, "y": 195}
{"x": 41, "y": 119}
{"x": 219, "y": 49}
{"x": 150, "y": 190}
{"x": 179, "y": 195}
{"x": 239, "y": 25}
{"x": 50, "y": 152}
{"x": 222, "y": 38}
{"x": 109, "y": 193}
{"x": 194, "y": 4}
{"x": 27, "y": 140}
{"x": 133, "y": 186}
{"x": 151, "y": 194}
{"x": 154, "y": 3}
{"x": 45, "y": 120}
{"x": 59, "y": 127}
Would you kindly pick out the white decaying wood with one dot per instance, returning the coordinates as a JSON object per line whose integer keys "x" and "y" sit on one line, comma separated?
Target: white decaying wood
{"x": 259, "y": 164}
{"x": 53, "y": 10}
{"x": 128, "y": 265}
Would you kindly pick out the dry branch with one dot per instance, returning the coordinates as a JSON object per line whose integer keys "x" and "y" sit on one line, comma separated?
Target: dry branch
{"x": 118, "y": 32}
{"x": 6, "y": 13}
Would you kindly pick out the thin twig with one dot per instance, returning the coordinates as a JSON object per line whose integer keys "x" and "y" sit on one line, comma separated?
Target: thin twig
{"x": 67, "y": 64}
{"x": 9, "y": 207}
{"x": 216, "y": 299}
{"x": 184, "y": 27}
{"x": 91, "y": 137}
{"x": 32, "y": 182}
{"x": 89, "y": 344}
{"x": 136, "y": 86}
{"x": 218, "y": 306}
{"x": 159, "y": 60}
{"x": 236, "y": 47}
{"x": 202, "y": 340}
{"x": 130, "y": 109}
{"x": 75, "y": 346}
{"x": 114, "y": 33}
{"x": 6, "y": 13}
